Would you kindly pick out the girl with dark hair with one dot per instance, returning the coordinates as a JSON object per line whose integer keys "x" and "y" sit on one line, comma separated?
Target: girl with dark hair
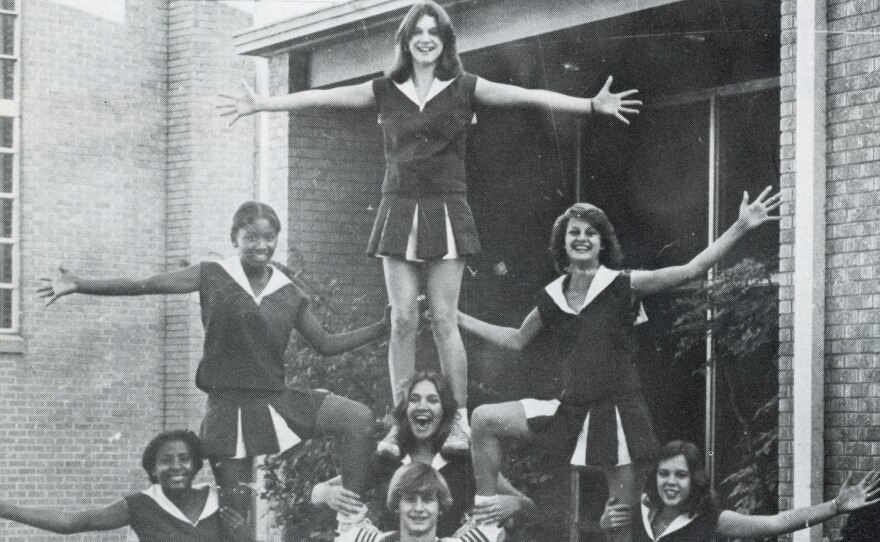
{"x": 600, "y": 419}
{"x": 425, "y": 417}
{"x": 172, "y": 509}
{"x": 250, "y": 306}
{"x": 678, "y": 505}
{"x": 424, "y": 227}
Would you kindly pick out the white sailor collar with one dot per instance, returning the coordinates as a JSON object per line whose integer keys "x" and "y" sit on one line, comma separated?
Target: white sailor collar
{"x": 235, "y": 270}
{"x": 678, "y": 523}
{"x": 438, "y": 462}
{"x": 603, "y": 278}
{"x": 211, "y": 504}
{"x": 408, "y": 88}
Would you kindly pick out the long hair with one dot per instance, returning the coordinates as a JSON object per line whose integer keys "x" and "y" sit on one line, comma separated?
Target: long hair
{"x": 449, "y": 63}
{"x": 611, "y": 255}
{"x": 418, "y": 479}
{"x": 405, "y": 437}
{"x": 151, "y": 452}
{"x": 249, "y": 212}
{"x": 701, "y": 499}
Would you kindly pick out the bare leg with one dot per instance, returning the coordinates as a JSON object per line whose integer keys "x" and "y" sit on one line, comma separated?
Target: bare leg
{"x": 352, "y": 423}
{"x": 444, "y": 285}
{"x": 235, "y": 478}
{"x": 491, "y": 423}
{"x": 402, "y": 283}
{"x": 625, "y": 483}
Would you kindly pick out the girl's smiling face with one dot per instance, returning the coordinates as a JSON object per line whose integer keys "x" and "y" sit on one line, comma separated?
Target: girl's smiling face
{"x": 425, "y": 44}
{"x": 256, "y": 242}
{"x": 674, "y": 481}
{"x": 424, "y": 410}
{"x": 582, "y": 242}
{"x": 174, "y": 469}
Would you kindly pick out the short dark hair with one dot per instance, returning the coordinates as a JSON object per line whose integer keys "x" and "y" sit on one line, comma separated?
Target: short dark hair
{"x": 449, "y": 63}
{"x": 701, "y": 499}
{"x": 405, "y": 436}
{"x": 611, "y": 255}
{"x": 193, "y": 443}
{"x": 419, "y": 479}
{"x": 249, "y": 212}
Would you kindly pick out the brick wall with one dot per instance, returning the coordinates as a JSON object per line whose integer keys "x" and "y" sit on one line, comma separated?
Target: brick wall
{"x": 210, "y": 173}
{"x": 336, "y": 166}
{"x": 81, "y": 402}
{"x": 852, "y": 319}
{"x": 126, "y": 170}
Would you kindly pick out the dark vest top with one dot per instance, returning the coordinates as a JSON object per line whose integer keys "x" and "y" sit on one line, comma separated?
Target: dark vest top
{"x": 153, "y": 524}
{"x": 702, "y": 528}
{"x": 244, "y": 341}
{"x": 425, "y": 150}
{"x": 598, "y": 346}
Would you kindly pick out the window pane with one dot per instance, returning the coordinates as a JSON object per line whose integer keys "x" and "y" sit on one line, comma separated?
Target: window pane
{"x": 8, "y": 5}
{"x": 8, "y": 67}
{"x": 5, "y": 218}
{"x": 5, "y": 263}
{"x": 6, "y": 132}
{"x": 748, "y": 160}
{"x": 7, "y": 34}
{"x": 5, "y": 308}
{"x": 6, "y": 172}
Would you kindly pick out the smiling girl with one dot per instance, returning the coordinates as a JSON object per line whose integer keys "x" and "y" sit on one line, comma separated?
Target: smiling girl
{"x": 425, "y": 416}
{"x": 678, "y": 505}
{"x": 600, "y": 419}
{"x": 172, "y": 509}
{"x": 250, "y": 307}
{"x": 424, "y": 228}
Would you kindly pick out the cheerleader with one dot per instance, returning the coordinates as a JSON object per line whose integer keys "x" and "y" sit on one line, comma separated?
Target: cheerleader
{"x": 424, "y": 228}
{"x": 600, "y": 419}
{"x": 249, "y": 309}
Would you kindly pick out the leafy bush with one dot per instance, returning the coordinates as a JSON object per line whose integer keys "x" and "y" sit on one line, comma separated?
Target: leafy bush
{"x": 743, "y": 323}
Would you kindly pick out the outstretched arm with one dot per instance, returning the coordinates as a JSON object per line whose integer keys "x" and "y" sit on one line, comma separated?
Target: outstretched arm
{"x": 506, "y": 337}
{"x": 851, "y": 497}
{"x": 57, "y": 521}
{"x": 605, "y": 102}
{"x": 751, "y": 215}
{"x": 249, "y": 102}
{"x": 331, "y": 344}
{"x": 183, "y": 281}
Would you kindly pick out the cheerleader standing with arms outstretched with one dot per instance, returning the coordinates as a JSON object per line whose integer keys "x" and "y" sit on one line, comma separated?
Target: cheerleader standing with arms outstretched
{"x": 424, "y": 228}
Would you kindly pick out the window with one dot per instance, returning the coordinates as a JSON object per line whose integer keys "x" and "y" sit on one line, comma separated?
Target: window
{"x": 10, "y": 30}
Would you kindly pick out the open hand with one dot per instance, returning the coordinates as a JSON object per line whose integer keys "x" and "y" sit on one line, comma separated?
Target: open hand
{"x": 854, "y": 496}
{"x": 235, "y": 107}
{"x": 51, "y": 289}
{"x": 616, "y": 515}
{"x": 236, "y": 524}
{"x": 758, "y": 212}
{"x": 614, "y": 103}
{"x": 338, "y": 498}
{"x": 496, "y": 509}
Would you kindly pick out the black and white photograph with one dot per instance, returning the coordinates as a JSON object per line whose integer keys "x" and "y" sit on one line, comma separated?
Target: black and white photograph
{"x": 439, "y": 270}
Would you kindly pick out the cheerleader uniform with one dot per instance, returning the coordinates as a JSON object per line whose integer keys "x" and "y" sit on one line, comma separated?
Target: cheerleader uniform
{"x": 600, "y": 418}
{"x": 424, "y": 213}
{"x": 250, "y": 410}
{"x": 698, "y": 527}
{"x": 154, "y": 518}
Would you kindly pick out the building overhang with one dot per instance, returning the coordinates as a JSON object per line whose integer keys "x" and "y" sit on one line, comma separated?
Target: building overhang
{"x": 500, "y": 21}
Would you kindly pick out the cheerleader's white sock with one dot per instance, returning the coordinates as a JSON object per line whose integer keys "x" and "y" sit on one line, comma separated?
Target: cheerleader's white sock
{"x": 463, "y": 420}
